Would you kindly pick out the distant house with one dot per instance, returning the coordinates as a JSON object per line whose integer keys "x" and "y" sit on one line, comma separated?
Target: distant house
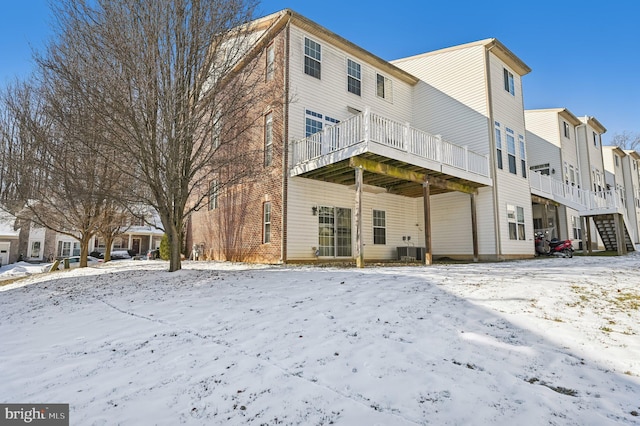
{"x": 41, "y": 245}
{"x": 9, "y": 251}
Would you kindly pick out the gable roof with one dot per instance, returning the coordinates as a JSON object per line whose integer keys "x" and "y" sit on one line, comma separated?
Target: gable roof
{"x": 491, "y": 44}
{"x": 276, "y": 21}
{"x": 562, "y": 112}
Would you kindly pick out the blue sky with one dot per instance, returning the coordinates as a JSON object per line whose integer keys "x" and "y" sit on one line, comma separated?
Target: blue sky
{"x": 584, "y": 55}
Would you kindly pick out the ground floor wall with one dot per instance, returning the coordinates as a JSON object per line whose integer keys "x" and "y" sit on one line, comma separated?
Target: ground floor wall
{"x": 315, "y": 206}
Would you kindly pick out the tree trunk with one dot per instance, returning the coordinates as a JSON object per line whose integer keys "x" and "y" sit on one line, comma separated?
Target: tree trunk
{"x": 84, "y": 249}
{"x": 175, "y": 243}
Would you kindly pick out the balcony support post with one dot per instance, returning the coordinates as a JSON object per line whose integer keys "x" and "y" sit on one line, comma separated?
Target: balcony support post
{"x": 474, "y": 226}
{"x": 426, "y": 193}
{"x": 358, "y": 219}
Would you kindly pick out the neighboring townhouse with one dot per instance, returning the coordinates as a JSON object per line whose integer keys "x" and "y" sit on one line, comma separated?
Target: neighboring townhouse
{"x": 554, "y": 160}
{"x": 621, "y": 176}
{"x": 632, "y": 178}
{"x": 419, "y": 158}
{"x": 573, "y": 194}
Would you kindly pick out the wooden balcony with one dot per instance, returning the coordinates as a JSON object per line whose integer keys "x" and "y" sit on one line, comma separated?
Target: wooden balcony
{"x": 394, "y": 155}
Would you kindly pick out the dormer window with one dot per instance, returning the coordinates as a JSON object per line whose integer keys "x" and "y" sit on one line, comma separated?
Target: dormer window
{"x": 509, "y": 84}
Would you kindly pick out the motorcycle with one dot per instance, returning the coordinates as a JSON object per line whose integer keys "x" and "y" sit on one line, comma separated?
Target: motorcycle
{"x": 554, "y": 247}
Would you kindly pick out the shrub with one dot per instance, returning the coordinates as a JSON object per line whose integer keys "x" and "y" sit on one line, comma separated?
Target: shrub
{"x": 165, "y": 251}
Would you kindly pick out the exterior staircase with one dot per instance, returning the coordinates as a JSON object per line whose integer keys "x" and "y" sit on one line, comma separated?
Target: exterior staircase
{"x": 605, "y": 224}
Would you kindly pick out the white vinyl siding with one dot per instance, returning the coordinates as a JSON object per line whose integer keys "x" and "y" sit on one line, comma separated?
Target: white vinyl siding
{"x": 329, "y": 95}
{"x": 403, "y": 216}
{"x": 513, "y": 189}
{"x": 452, "y": 98}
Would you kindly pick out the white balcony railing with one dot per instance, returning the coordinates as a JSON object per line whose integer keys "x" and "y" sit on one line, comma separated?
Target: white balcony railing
{"x": 572, "y": 196}
{"x": 369, "y": 128}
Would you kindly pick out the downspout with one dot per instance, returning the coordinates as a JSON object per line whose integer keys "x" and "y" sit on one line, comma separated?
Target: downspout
{"x": 285, "y": 148}
{"x": 492, "y": 155}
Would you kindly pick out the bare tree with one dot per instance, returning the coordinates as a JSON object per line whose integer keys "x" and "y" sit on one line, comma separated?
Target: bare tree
{"x": 626, "y": 140}
{"x": 172, "y": 82}
{"x": 58, "y": 180}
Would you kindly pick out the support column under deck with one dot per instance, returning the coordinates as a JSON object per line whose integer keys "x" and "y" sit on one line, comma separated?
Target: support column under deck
{"x": 588, "y": 247}
{"x": 358, "y": 219}
{"x": 428, "y": 255}
{"x": 474, "y": 227}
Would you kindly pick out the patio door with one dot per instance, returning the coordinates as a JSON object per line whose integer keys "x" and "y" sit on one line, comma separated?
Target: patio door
{"x": 334, "y": 232}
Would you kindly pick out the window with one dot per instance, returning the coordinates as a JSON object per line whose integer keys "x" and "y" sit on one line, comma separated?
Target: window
{"x": 511, "y": 151}
{"x": 266, "y": 220}
{"x": 312, "y": 57}
{"x": 314, "y": 122}
{"x": 64, "y": 248}
{"x": 268, "y": 139}
{"x": 566, "y": 129}
{"x": 270, "y": 66}
{"x": 617, "y": 161}
{"x": 515, "y": 217}
{"x": 213, "y": 194}
{"x": 575, "y": 225}
{"x": 384, "y": 88}
{"x": 216, "y": 130}
{"x": 379, "y": 227}
{"x": 595, "y": 139}
{"x": 509, "y": 84}
{"x": 498, "y": 145}
{"x": 334, "y": 231}
{"x": 118, "y": 243}
{"x": 354, "y": 81}
{"x": 523, "y": 156}
{"x": 35, "y": 249}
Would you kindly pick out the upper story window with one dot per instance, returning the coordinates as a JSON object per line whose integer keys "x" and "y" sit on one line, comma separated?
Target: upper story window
{"x": 617, "y": 161}
{"x": 498, "y": 145}
{"x": 511, "y": 151}
{"x": 213, "y": 194}
{"x": 354, "y": 79}
{"x": 312, "y": 58}
{"x": 384, "y": 88}
{"x": 523, "y": 156}
{"x": 565, "y": 128}
{"x": 595, "y": 139}
{"x": 268, "y": 139}
{"x": 271, "y": 65}
{"x": 509, "y": 84}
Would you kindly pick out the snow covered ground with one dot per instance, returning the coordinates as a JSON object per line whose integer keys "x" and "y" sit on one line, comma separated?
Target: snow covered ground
{"x": 546, "y": 341}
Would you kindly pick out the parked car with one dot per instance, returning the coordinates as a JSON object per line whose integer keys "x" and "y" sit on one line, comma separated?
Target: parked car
{"x": 74, "y": 262}
{"x": 120, "y": 254}
{"x": 153, "y": 254}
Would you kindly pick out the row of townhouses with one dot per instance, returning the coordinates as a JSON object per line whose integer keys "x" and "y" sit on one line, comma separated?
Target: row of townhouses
{"x": 430, "y": 156}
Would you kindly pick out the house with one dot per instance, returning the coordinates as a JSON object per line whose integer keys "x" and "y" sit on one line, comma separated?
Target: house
{"x": 372, "y": 160}
{"x": 632, "y": 184}
{"x": 573, "y": 194}
{"x": 138, "y": 235}
{"x": 9, "y": 251}
{"x": 553, "y": 152}
{"x": 621, "y": 177}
